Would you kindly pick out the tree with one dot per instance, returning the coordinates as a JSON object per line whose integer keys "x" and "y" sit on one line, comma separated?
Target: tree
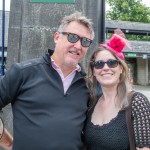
{"x": 128, "y": 10}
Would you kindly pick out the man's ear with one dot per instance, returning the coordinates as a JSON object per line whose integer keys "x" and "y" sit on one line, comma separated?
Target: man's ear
{"x": 56, "y": 37}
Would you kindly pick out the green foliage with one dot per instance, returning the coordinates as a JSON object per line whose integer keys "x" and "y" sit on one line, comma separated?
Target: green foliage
{"x": 138, "y": 37}
{"x": 133, "y": 37}
{"x": 128, "y": 10}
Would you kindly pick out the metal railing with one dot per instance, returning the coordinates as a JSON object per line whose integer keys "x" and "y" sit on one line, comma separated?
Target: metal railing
{"x": 3, "y": 39}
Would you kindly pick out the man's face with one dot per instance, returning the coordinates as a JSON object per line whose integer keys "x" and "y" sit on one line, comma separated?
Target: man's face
{"x": 67, "y": 53}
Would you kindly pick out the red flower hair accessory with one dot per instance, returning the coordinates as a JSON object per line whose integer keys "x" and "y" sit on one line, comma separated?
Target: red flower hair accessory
{"x": 117, "y": 43}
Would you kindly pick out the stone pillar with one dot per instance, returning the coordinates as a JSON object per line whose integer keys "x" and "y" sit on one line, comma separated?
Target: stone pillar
{"x": 142, "y": 71}
{"x": 32, "y": 26}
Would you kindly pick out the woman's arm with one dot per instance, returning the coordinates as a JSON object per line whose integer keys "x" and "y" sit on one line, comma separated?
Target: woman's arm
{"x": 141, "y": 121}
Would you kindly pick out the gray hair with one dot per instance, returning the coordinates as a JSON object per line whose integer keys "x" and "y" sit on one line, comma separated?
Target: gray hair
{"x": 78, "y": 17}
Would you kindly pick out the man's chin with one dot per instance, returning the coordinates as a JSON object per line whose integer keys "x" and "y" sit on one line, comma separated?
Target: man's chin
{"x": 71, "y": 64}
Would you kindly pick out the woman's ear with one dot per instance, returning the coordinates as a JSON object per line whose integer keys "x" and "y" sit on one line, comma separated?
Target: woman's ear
{"x": 121, "y": 69}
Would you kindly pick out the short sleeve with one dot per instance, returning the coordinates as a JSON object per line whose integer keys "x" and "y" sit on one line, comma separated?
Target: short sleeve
{"x": 141, "y": 120}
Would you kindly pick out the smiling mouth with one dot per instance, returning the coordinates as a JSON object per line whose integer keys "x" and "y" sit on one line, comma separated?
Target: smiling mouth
{"x": 108, "y": 74}
{"x": 74, "y": 52}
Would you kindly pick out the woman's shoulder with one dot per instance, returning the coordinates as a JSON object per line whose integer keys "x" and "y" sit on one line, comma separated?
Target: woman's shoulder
{"x": 140, "y": 104}
{"x": 141, "y": 117}
{"x": 138, "y": 99}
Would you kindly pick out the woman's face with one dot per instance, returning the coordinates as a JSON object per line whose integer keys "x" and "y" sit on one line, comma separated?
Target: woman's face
{"x": 109, "y": 74}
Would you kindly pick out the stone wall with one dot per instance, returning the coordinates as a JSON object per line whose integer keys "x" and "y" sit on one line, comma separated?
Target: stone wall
{"x": 32, "y": 26}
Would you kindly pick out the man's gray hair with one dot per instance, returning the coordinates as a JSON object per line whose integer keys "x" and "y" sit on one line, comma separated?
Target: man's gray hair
{"x": 78, "y": 17}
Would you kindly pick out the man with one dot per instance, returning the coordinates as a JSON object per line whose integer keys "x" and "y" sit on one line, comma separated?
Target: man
{"x": 49, "y": 95}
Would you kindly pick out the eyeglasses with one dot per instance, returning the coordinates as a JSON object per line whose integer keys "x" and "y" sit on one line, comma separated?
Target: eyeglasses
{"x": 110, "y": 63}
{"x": 73, "y": 38}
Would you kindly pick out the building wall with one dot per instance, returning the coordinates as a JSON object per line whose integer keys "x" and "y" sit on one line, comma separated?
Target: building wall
{"x": 142, "y": 71}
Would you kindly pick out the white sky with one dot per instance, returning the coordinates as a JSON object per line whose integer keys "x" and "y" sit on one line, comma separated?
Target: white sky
{"x": 147, "y": 2}
{"x": 7, "y": 4}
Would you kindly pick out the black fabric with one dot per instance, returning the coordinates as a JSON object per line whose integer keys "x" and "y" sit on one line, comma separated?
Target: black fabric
{"x": 129, "y": 121}
{"x": 111, "y": 136}
{"x": 141, "y": 120}
{"x": 114, "y": 135}
{"x": 44, "y": 117}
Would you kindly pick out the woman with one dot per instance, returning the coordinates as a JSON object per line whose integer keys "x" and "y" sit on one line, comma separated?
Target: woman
{"x": 106, "y": 127}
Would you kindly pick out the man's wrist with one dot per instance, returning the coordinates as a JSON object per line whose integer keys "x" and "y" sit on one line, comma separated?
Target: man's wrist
{"x": 6, "y": 139}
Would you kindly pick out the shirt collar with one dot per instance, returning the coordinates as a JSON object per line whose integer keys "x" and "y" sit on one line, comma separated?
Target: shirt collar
{"x": 78, "y": 68}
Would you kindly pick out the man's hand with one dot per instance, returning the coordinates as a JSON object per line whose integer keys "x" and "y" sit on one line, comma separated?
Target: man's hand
{"x": 6, "y": 140}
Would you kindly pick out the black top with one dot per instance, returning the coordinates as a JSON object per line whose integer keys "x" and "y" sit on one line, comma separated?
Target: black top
{"x": 44, "y": 117}
{"x": 141, "y": 120}
{"x": 114, "y": 135}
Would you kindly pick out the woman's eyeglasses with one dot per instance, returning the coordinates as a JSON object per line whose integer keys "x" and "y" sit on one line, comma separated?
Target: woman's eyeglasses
{"x": 111, "y": 63}
{"x": 73, "y": 38}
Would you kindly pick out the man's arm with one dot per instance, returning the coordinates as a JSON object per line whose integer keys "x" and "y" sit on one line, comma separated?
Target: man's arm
{"x": 6, "y": 140}
{"x": 144, "y": 148}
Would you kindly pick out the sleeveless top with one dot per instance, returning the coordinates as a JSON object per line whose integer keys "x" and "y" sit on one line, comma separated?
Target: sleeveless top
{"x": 114, "y": 135}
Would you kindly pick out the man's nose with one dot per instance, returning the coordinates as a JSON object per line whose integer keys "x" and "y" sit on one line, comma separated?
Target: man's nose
{"x": 78, "y": 44}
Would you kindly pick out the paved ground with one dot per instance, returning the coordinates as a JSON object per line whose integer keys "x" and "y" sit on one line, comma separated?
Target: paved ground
{"x": 143, "y": 89}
